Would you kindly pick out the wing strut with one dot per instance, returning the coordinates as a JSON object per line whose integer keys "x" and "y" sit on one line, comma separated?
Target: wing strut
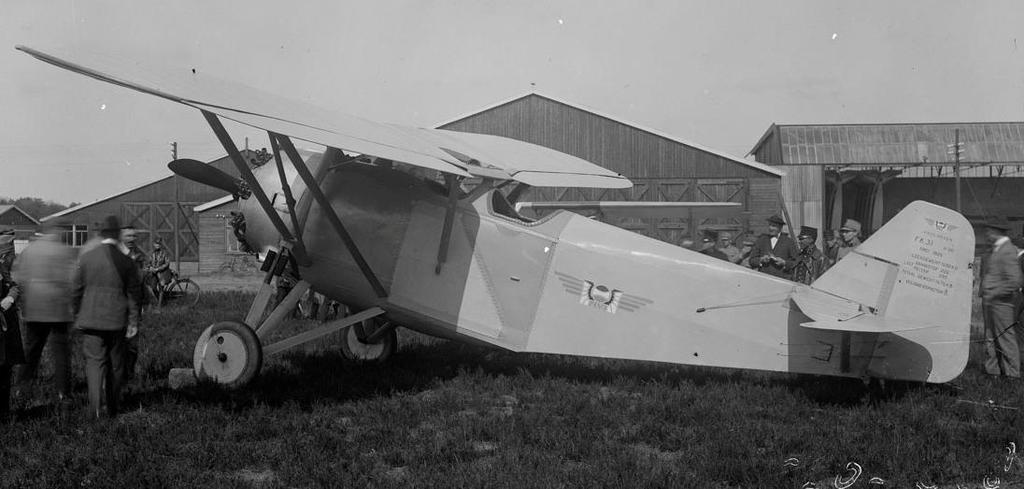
{"x": 300, "y": 245}
{"x": 449, "y": 217}
{"x": 254, "y": 185}
{"x": 313, "y": 187}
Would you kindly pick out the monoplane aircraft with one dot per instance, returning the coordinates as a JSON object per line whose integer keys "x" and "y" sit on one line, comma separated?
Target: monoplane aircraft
{"x": 362, "y": 224}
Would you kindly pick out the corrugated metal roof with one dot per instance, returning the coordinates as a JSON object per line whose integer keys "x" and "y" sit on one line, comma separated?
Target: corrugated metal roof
{"x": 742, "y": 161}
{"x": 891, "y": 144}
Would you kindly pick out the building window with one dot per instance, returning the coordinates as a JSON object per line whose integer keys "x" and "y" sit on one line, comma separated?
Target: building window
{"x": 75, "y": 234}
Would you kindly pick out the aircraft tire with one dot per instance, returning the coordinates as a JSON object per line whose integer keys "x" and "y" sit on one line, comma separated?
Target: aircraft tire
{"x": 378, "y": 352}
{"x": 228, "y": 353}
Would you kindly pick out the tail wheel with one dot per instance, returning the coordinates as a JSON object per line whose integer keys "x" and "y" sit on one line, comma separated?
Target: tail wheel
{"x": 184, "y": 292}
{"x": 228, "y": 353}
{"x": 378, "y": 351}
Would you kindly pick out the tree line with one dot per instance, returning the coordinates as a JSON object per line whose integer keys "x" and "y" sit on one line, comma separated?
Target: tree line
{"x": 36, "y": 207}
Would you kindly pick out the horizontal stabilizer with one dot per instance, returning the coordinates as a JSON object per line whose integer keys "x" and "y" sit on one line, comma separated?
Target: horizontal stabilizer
{"x": 866, "y": 323}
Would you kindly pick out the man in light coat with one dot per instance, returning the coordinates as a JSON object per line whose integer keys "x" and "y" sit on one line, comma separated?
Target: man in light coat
{"x": 105, "y": 302}
{"x": 44, "y": 272}
{"x": 1000, "y": 283}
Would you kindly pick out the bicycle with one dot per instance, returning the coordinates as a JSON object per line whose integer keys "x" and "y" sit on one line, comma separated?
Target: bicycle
{"x": 182, "y": 290}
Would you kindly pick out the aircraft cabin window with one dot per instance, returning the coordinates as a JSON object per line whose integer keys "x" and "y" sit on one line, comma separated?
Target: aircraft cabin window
{"x": 500, "y": 205}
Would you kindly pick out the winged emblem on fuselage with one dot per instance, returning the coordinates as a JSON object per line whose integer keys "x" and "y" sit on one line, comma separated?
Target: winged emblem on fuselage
{"x": 599, "y": 296}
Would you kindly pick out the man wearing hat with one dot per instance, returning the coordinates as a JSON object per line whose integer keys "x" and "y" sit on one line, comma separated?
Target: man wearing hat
{"x": 849, "y": 238}
{"x": 774, "y": 253}
{"x": 810, "y": 263}
{"x": 11, "y": 352}
{"x": 1000, "y": 284}
{"x": 725, "y": 245}
{"x": 707, "y": 246}
{"x": 104, "y": 298}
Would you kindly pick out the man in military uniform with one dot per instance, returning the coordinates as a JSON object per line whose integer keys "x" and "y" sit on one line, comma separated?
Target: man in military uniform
{"x": 810, "y": 263}
{"x": 774, "y": 253}
{"x": 849, "y": 238}
{"x": 726, "y": 246}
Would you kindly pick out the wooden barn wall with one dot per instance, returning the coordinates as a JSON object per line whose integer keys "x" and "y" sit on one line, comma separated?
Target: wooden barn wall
{"x": 661, "y": 169}
{"x": 162, "y": 190}
{"x": 148, "y": 202}
{"x": 212, "y": 240}
{"x": 611, "y": 144}
{"x": 218, "y": 248}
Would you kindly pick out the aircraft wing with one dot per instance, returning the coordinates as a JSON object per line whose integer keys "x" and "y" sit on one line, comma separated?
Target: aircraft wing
{"x": 640, "y": 209}
{"x": 451, "y": 152}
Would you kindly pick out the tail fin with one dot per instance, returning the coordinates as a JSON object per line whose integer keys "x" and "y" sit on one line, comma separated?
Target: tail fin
{"x": 916, "y": 269}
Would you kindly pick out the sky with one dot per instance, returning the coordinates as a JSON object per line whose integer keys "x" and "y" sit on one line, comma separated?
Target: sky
{"x": 717, "y": 73}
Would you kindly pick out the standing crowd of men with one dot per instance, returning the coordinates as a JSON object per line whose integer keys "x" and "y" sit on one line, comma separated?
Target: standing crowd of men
{"x": 100, "y": 295}
{"x": 775, "y": 253}
{"x": 1000, "y": 285}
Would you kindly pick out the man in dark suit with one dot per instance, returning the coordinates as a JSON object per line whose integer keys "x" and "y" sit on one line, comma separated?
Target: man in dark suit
{"x": 1000, "y": 284}
{"x": 104, "y": 298}
{"x": 774, "y": 253}
{"x": 11, "y": 351}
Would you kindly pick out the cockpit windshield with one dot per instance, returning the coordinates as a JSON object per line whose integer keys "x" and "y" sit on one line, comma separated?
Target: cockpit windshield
{"x": 501, "y": 206}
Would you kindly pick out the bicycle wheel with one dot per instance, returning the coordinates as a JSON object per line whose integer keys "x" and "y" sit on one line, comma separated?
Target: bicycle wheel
{"x": 183, "y": 292}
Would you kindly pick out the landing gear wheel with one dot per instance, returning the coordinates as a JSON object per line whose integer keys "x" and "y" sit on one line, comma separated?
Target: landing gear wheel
{"x": 377, "y": 352}
{"x": 228, "y": 353}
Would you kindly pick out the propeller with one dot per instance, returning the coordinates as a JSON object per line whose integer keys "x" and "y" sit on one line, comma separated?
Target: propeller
{"x": 197, "y": 171}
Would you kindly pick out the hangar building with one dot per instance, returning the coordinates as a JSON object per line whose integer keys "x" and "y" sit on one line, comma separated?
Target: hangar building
{"x": 869, "y": 172}
{"x": 663, "y": 168}
{"x": 162, "y": 208}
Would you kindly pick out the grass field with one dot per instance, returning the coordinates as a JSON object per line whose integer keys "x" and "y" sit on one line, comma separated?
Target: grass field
{"x": 444, "y": 414}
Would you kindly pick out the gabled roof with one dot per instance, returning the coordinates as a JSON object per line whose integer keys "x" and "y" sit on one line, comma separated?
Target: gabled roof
{"x": 79, "y": 207}
{"x": 4, "y": 209}
{"x": 891, "y": 143}
{"x": 742, "y": 161}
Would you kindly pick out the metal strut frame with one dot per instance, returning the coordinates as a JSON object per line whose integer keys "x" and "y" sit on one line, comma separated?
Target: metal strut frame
{"x": 257, "y": 191}
{"x": 313, "y": 187}
{"x": 290, "y": 202}
{"x": 449, "y": 217}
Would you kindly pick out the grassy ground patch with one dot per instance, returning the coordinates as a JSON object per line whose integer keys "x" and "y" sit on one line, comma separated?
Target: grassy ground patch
{"x": 444, "y": 414}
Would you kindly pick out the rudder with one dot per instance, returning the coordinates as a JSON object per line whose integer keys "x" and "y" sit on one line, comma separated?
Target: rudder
{"x": 916, "y": 268}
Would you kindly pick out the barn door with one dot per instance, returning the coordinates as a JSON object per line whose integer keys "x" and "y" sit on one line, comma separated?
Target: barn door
{"x": 138, "y": 216}
{"x": 723, "y": 190}
{"x": 164, "y": 220}
{"x": 673, "y": 230}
